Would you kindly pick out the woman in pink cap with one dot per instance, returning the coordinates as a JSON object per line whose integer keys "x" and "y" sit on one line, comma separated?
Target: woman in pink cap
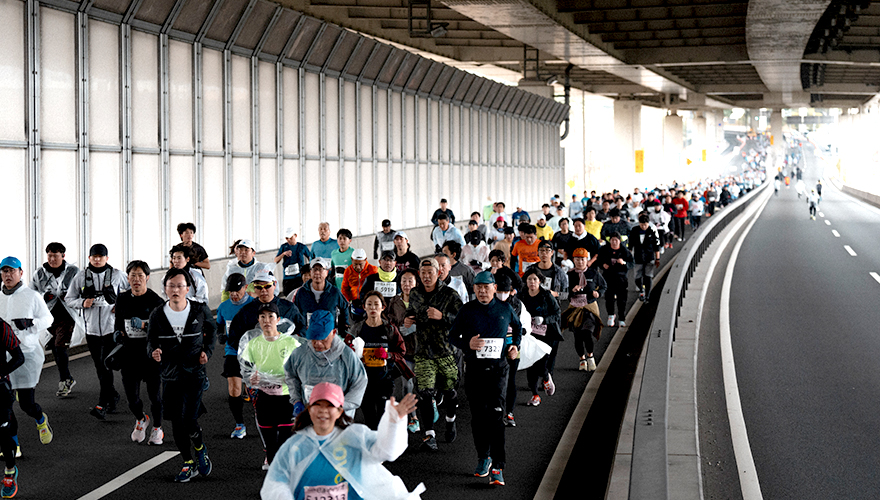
{"x": 329, "y": 457}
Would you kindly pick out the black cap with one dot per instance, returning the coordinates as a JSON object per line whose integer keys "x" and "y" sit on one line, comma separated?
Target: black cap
{"x": 503, "y": 283}
{"x": 443, "y": 200}
{"x": 98, "y": 249}
{"x": 235, "y": 281}
{"x": 386, "y": 223}
{"x": 614, "y": 212}
{"x": 388, "y": 254}
{"x": 545, "y": 244}
{"x": 268, "y": 306}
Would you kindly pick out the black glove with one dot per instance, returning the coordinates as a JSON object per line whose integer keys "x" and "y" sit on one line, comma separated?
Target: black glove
{"x": 118, "y": 337}
{"x": 222, "y": 338}
{"x": 48, "y": 296}
{"x": 23, "y": 323}
{"x": 475, "y": 262}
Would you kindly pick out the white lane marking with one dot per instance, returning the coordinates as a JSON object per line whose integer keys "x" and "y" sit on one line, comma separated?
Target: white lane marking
{"x": 827, "y": 222}
{"x": 835, "y": 233}
{"x": 875, "y": 276}
{"x": 821, "y": 214}
{"x": 745, "y": 462}
{"x": 849, "y": 250}
{"x": 129, "y": 476}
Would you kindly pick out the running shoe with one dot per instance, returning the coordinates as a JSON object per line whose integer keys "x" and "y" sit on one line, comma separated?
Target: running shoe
{"x": 535, "y": 401}
{"x": 591, "y": 364}
{"x": 509, "y": 421}
{"x": 642, "y": 296}
{"x": 610, "y": 320}
{"x": 496, "y": 478}
{"x": 662, "y": 249}
{"x": 188, "y": 472}
{"x": 99, "y": 412}
{"x": 429, "y": 443}
{"x": 451, "y": 432}
{"x": 582, "y": 365}
{"x": 621, "y": 323}
{"x": 266, "y": 463}
{"x": 10, "y": 483}
{"x": 549, "y": 386}
{"x": 45, "y": 430}
{"x": 140, "y": 430}
{"x": 64, "y": 388}
{"x": 157, "y": 435}
{"x": 205, "y": 465}
{"x": 483, "y": 466}
{"x": 413, "y": 425}
{"x": 239, "y": 432}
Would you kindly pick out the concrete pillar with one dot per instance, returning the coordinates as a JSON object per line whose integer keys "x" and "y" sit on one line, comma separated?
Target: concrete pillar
{"x": 628, "y": 131}
{"x": 776, "y": 130}
{"x": 673, "y": 142}
{"x": 700, "y": 142}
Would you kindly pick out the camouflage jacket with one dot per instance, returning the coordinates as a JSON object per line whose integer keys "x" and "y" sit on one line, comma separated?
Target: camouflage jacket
{"x": 432, "y": 335}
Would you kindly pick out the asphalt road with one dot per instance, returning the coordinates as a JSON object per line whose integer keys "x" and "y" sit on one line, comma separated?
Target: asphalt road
{"x": 804, "y": 322}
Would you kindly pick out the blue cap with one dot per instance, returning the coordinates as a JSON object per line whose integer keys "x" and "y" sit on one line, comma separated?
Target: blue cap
{"x": 10, "y": 262}
{"x": 320, "y": 325}
{"x": 484, "y": 278}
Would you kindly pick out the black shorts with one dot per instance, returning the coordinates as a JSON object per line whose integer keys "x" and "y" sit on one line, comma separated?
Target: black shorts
{"x": 272, "y": 411}
{"x": 231, "y": 368}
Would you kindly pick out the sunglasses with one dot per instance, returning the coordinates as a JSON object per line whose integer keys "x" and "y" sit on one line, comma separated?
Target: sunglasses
{"x": 264, "y": 287}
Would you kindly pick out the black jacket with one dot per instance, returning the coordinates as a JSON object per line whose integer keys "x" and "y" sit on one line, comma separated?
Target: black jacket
{"x": 180, "y": 357}
{"x": 544, "y": 305}
{"x": 643, "y": 251}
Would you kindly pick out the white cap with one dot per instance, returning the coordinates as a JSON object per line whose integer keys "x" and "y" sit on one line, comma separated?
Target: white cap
{"x": 290, "y": 231}
{"x": 319, "y": 261}
{"x": 401, "y": 234}
{"x": 247, "y": 243}
{"x": 265, "y": 276}
{"x": 359, "y": 254}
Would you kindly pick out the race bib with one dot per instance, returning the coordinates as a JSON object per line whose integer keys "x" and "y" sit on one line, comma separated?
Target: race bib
{"x": 273, "y": 390}
{"x": 527, "y": 265}
{"x": 291, "y": 270}
{"x": 307, "y": 392}
{"x": 539, "y": 329}
{"x": 547, "y": 283}
{"x": 491, "y": 349}
{"x": 99, "y": 301}
{"x": 387, "y": 246}
{"x": 228, "y": 325}
{"x": 387, "y": 289}
{"x": 372, "y": 359}
{"x": 335, "y": 492}
{"x": 134, "y": 333}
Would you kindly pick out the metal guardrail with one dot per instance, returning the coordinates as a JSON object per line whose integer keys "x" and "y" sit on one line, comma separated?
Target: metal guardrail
{"x": 649, "y": 471}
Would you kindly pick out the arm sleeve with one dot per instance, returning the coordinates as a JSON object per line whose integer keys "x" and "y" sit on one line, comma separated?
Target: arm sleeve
{"x": 72, "y": 298}
{"x": 15, "y": 361}
{"x": 291, "y": 378}
{"x": 42, "y": 316}
{"x": 355, "y": 393}
{"x": 391, "y": 440}
{"x": 277, "y": 485}
{"x": 376, "y": 248}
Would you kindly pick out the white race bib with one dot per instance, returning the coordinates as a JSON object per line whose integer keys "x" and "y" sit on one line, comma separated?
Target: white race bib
{"x": 134, "y": 333}
{"x": 387, "y": 289}
{"x": 387, "y": 246}
{"x": 527, "y": 265}
{"x": 548, "y": 282}
{"x": 335, "y": 492}
{"x": 491, "y": 349}
{"x": 307, "y": 393}
{"x": 291, "y": 270}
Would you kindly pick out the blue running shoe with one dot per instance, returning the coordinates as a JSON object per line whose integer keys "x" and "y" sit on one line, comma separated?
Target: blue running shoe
{"x": 483, "y": 466}
{"x": 10, "y": 483}
{"x": 496, "y": 478}
{"x": 205, "y": 464}
{"x": 188, "y": 472}
{"x": 239, "y": 432}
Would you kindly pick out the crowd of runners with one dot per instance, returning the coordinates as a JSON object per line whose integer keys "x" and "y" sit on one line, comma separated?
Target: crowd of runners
{"x": 333, "y": 338}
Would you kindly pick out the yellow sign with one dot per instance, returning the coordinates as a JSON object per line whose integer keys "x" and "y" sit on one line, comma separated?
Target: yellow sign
{"x": 771, "y": 139}
{"x": 689, "y": 161}
{"x": 640, "y": 161}
{"x": 571, "y": 184}
{"x": 704, "y": 155}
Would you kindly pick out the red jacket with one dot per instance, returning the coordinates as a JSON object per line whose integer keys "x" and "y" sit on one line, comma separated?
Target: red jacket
{"x": 353, "y": 281}
{"x": 683, "y": 211}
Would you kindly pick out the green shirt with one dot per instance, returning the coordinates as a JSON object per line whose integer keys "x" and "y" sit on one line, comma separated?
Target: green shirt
{"x": 340, "y": 261}
{"x": 269, "y": 358}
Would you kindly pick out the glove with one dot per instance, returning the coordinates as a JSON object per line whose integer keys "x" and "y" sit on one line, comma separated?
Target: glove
{"x": 222, "y": 338}
{"x": 475, "y": 262}
{"x": 382, "y": 353}
{"x": 137, "y": 323}
{"x": 298, "y": 408}
{"x": 48, "y": 296}
{"x": 23, "y": 323}
{"x": 538, "y": 320}
{"x": 118, "y": 337}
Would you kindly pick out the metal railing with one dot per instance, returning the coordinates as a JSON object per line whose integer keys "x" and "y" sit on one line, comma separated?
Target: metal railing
{"x": 649, "y": 472}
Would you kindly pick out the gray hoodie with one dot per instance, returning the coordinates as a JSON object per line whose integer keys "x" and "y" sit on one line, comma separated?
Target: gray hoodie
{"x": 305, "y": 368}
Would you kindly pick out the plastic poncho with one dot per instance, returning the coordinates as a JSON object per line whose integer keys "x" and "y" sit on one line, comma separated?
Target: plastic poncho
{"x": 44, "y": 281}
{"x": 356, "y": 453}
{"x": 25, "y": 303}
{"x": 265, "y": 358}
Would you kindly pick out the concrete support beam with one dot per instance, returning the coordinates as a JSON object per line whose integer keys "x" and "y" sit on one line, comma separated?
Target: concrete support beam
{"x": 628, "y": 131}
{"x": 776, "y": 123}
{"x": 673, "y": 140}
{"x": 700, "y": 142}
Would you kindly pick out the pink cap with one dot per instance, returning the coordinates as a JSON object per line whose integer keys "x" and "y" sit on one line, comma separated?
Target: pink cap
{"x": 328, "y": 392}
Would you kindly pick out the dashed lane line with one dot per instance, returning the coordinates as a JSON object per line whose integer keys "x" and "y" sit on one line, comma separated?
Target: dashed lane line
{"x": 849, "y": 250}
{"x": 875, "y": 276}
{"x": 835, "y": 233}
{"x": 821, "y": 214}
{"x": 129, "y": 476}
{"x": 827, "y": 222}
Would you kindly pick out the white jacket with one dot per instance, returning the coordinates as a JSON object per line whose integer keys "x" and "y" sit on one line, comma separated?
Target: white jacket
{"x": 44, "y": 281}
{"x": 659, "y": 220}
{"x": 25, "y": 303}
{"x": 356, "y": 453}
{"x": 99, "y": 318}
